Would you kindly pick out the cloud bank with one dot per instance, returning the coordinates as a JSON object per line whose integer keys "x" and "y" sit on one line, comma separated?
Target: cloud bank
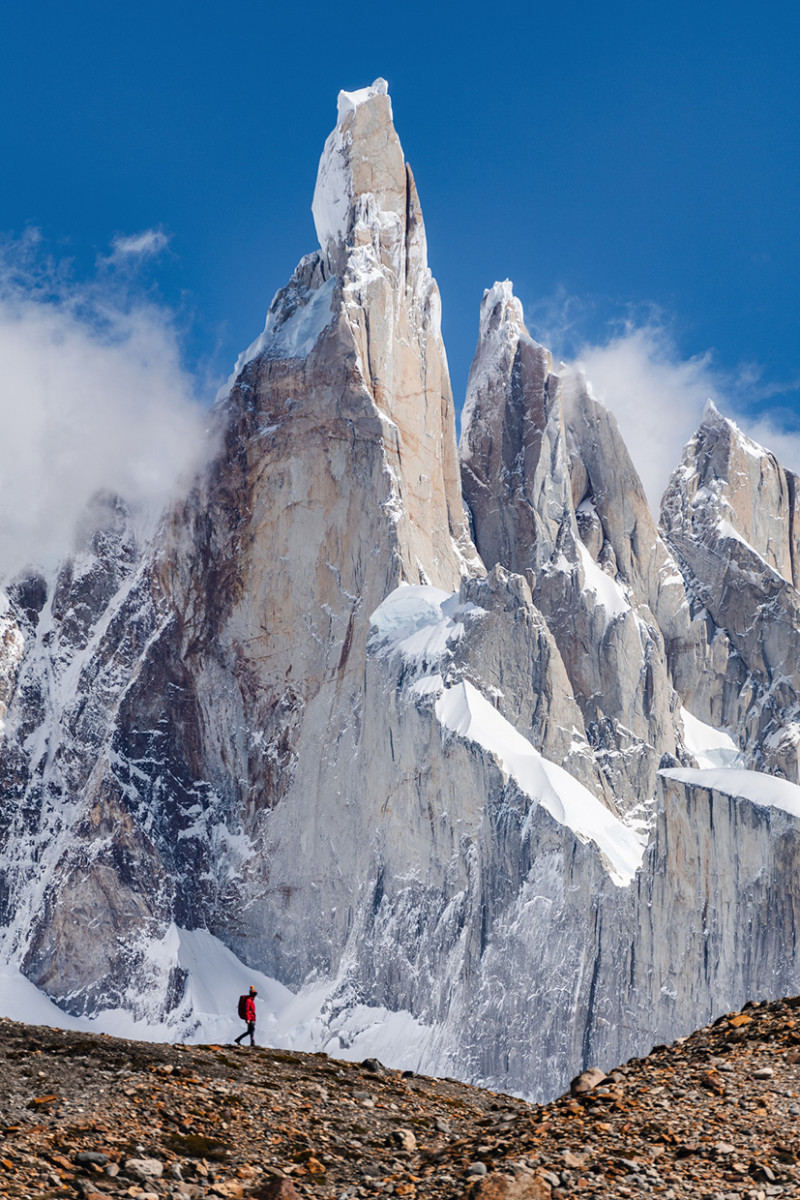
{"x": 92, "y": 396}
{"x": 658, "y": 397}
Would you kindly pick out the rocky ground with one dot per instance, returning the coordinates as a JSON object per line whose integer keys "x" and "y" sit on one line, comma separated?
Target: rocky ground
{"x": 712, "y": 1116}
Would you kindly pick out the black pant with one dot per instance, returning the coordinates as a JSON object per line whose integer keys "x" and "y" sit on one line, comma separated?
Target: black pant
{"x": 251, "y": 1029}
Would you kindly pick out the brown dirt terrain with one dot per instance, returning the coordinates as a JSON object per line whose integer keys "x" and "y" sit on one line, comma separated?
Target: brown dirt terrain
{"x": 713, "y": 1116}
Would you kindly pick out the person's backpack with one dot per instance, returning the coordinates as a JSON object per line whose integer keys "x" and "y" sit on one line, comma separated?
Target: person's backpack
{"x": 243, "y": 1007}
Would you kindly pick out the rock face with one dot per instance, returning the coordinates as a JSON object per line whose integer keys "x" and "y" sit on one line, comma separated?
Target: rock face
{"x": 729, "y": 514}
{"x": 553, "y": 492}
{"x": 313, "y": 718}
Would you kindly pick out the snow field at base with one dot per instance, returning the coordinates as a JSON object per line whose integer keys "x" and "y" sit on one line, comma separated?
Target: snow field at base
{"x": 208, "y": 1011}
{"x": 420, "y": 622}
{"x": 767, "y": 791}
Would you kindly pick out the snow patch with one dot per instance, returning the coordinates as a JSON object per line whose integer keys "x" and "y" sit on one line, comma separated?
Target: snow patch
{"x": 607, "y": 592}
{"x": 295, "y": 335}
{"x": 428, "y": 685}
{"x": 711, "y": 747}
{"x": 420, "y": 622}
{"x": 349, "y": 101}
{"x": 464, "y": 711}
{"x": 767, "y": 791}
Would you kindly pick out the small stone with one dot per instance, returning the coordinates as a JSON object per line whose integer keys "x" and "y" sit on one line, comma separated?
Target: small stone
{"x": 477, "y": 1168}
{"x": 228, "y": 1189}
{"x": 277, "y": 1189}
{"x": 403, "y": 1138}
{"x": 763, "y": 1073}
{"x": 505, "y": 1187}
{"x": 85, "y": 1158}
{"x": 713, "y": 1081}
{"x": 144, "y": 1168}
{"x": 374, "y": 1066}
{"x": 587, "y": 1081}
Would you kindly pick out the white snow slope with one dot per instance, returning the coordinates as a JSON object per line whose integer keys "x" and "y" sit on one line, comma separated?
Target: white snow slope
{"x": 466, "y": 712}
{"x": 765, "y": 790}
{"x": 421, "y": 623}
{"x": 207, "y": 1013}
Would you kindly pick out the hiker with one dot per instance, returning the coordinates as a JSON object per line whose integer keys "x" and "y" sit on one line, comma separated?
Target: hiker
{"x": 247, "y": 1012}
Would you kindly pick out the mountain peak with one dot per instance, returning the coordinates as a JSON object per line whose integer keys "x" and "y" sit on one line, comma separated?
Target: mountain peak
{"x": 500, "y": 309}
{"x": 715, "y": 422}
{"x": 349, "y": 101}
{"x": 362, "y": 157}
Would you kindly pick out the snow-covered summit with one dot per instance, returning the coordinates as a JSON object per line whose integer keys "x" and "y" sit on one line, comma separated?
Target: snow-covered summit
{"x": 716, "y": 421}
{"x": 500, "y": 297}
{"x": 349, "y": 101}
{"x": 362, "y": 158}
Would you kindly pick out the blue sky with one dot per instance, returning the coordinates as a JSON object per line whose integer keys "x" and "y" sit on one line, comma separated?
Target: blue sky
{"x": 631, "y": 167}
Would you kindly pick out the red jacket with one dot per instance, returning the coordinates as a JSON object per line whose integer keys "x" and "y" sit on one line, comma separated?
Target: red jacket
{"x": 250, "y": 1009}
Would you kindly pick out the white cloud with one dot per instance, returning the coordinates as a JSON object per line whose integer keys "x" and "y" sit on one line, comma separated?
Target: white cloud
{"x": 137, "y": 245}
{"x": 784, "y": 443}
{"x": 92, "y": 395}
{"x": 658, "y": 399}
